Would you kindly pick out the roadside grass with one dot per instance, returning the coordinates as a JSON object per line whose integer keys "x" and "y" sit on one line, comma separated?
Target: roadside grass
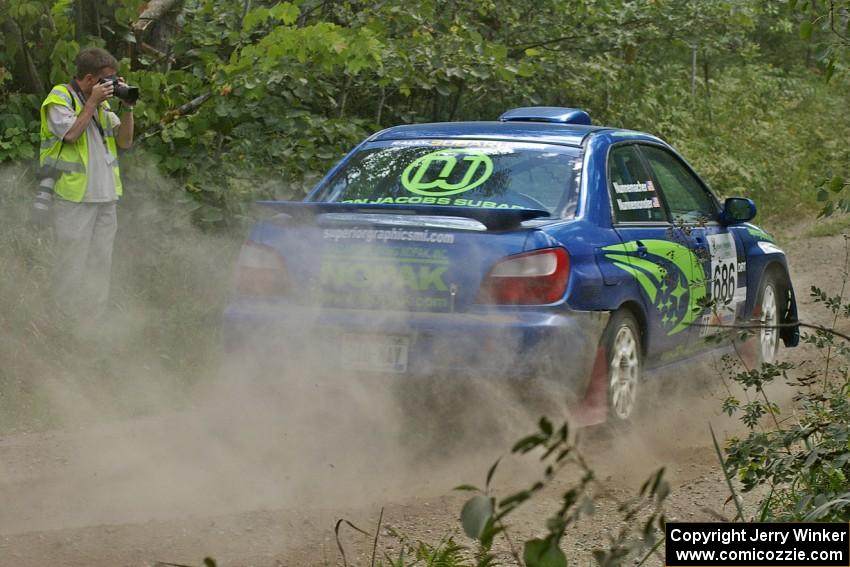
{"x": 831, "y": 226}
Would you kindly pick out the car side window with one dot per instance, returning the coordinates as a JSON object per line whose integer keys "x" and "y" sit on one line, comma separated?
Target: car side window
{"x": 686, "y": 197}
{"x": 632, "y": 191}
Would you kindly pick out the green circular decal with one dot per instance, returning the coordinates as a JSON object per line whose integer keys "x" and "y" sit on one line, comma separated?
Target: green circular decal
{"x": 474, "y": 167}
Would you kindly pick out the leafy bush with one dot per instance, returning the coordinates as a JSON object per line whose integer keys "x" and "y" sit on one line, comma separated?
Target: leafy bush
{"x": 484, "y": 516}
{"x": 802, "y": 460}
{"x": 294, "y": 85}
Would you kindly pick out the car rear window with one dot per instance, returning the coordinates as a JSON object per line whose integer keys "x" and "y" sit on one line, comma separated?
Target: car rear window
{"x": 464, "y": 173}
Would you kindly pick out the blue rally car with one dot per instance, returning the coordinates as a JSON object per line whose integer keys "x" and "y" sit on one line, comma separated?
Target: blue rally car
{"x": 538, "y": 245}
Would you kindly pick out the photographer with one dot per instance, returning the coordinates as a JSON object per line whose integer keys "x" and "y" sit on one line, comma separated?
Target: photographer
{"x": 80, "y": 137}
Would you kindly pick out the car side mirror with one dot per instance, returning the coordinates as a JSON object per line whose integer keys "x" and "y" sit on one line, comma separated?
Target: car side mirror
{"x": 737, "y": 210}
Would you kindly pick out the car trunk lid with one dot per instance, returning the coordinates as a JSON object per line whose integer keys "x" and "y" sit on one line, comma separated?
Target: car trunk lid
{"x": 384, "y": 258}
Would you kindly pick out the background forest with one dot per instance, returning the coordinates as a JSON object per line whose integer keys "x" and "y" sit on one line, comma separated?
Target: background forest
{"x": 736, "y": 85}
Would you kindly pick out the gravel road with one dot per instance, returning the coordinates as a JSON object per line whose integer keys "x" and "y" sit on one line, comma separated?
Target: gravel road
{"x": 250, "y": 479}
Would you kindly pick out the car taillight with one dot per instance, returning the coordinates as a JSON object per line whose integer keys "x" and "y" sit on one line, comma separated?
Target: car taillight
{"x": 260, "y": 271}
{"x": 532, "y": 278}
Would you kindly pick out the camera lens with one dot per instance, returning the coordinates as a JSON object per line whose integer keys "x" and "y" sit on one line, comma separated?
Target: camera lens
{"x": 127, "y": 94}
{"x": 132, "y": 94}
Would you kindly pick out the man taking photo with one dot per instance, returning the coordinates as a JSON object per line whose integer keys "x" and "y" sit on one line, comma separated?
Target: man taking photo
{"x": 80, "y": 137}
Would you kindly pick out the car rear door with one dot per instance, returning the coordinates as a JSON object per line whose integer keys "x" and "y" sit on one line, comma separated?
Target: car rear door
{"x": 660, "y": 267}
{"x": 719, "y": 287}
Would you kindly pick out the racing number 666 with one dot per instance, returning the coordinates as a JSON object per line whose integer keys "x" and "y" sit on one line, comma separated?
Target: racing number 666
{"x": 725, "y": 282}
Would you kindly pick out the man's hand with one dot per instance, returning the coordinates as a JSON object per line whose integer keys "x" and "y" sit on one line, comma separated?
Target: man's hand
{"x": 99, "y": 93}
{"x": 124, "y": 134}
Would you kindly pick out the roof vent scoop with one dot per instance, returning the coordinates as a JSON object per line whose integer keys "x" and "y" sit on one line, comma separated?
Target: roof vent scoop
{"x": 552, "y": 114}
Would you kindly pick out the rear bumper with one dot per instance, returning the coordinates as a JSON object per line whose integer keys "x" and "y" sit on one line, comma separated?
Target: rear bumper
{"x": 489, "y": 342}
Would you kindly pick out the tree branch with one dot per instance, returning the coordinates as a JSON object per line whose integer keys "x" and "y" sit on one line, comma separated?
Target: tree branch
{"x": 153, "y": 12}
{"x": 755, "y": 327}
{"x": 36, "y": 84}
{"x": 521, "y": 49}
{"x": 843, "y": 38}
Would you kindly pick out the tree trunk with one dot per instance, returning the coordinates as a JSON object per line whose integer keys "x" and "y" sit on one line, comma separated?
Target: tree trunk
{"x": 96, "y": 10}
{"x": 381, "y": 105}
{"x": 155, "y": 11}
{"x": 456, "y": 101}
{"x": 156, "y": 26}
{"x": 435, "y": 106}
{"x": 24, "y": 63}
{"x": 705, "y": 76}
{"x": 693, "y": 75}
{"x": 86, "y": 20}
{"x": 344, "y": 98}
{"x": 246, "y": 7}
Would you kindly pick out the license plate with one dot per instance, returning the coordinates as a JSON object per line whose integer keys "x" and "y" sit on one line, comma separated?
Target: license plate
{"x": 376, "y": 353}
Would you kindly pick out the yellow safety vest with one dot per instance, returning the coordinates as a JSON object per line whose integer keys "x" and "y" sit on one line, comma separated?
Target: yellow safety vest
{"x": 71, "y": 159}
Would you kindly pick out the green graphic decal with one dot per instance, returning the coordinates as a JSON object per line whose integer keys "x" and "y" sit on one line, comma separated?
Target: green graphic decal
{"x": 385, "y": 277}
{"x": 642, "y": 279}
{"x": 419, "y": 177}
{"x": 760, "y": 234}
{"x": 454, "y": 201}
{"x": 367, "y": 274}
{"x": 665, "y": 287}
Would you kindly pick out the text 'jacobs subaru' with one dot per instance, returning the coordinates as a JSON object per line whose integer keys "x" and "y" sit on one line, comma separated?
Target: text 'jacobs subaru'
{"x": 535, "y": 246}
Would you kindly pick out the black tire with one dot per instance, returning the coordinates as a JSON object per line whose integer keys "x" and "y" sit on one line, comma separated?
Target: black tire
{"x": 622, "y": 342}
{"x": 771, "y": 305}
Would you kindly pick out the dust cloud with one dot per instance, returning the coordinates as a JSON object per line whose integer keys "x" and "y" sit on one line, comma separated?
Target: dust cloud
{"x": 142, "y": 417}
{"x": 680, "y": 405}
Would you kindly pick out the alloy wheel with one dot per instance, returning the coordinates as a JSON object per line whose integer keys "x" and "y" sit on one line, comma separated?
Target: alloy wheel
{"x": 625, "y": 373}
{"x": 768, "y": 335}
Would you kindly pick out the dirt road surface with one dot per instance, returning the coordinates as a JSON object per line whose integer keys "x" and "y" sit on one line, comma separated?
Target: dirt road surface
{"x": 261, "y": 479}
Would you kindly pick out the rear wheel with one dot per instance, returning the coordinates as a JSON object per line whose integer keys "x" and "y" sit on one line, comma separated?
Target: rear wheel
{"x": 625, "y": 365}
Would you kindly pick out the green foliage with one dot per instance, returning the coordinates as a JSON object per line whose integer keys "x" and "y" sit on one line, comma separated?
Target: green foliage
{"x": 756, "y": 135}
{"x": 484, "y": 517}
{"x": 804, "y": 459}
{"x": 446, "y": 553}
{"x": 18, "y": 130}
{"x": 826, "y": 25}
{"x": 476, "y": 515}
{"x": 831, "y": 193}
{"x": 804, "y": 463}
{"x": 296, "y": 84}
{"x": 832, "y": 227}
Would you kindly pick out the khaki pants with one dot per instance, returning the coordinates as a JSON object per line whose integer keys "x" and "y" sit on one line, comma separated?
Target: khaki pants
{"x": 84, "y": 233}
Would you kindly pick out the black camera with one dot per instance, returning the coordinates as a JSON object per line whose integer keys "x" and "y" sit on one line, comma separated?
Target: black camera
{"x": 126, "y": 93}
